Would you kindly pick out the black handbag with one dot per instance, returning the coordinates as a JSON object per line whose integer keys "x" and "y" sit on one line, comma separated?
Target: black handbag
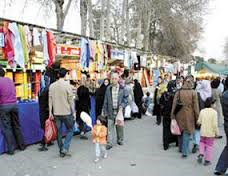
{"x": 179, "y": 105}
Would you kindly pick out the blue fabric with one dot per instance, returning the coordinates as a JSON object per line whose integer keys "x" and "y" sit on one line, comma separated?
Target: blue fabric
{"x": 196, "y": 137}
{"x": 30, "y": 124}
{"x": 85, "y": 53}
{"x": 185, "y": 143}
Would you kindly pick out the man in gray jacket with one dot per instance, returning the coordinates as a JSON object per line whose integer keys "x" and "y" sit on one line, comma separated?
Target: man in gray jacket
{"x": 116, "y": 98}
{"x": 61, "y": 109}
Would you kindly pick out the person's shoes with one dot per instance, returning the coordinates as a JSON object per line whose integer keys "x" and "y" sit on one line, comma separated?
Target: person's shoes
{"x": 66, "y": 152}
{"x": 218, "y": 137}
{"x": 120, "y": 143}
{"x": 50, "y": 144}
{"x": 10, "y": 153}
{"x": 184, "y": 156}
{"x": 96, "y": 160}
{"x": 83, "y": 137}
{"x": 166, "y": 147}
{"x": 207, "y": 163}
{"x": 108, "y": 147}
{"x": 22, "y": 148}
{"x": 43, "y": 148}
{"x": 200, "y": 159}
{"x": 105, "y": 156}
{"x": 158, "y": 123}
{"x": 62, "y": 155}
{"x": 195, "y": 148}
{"x": 218, "y": 173}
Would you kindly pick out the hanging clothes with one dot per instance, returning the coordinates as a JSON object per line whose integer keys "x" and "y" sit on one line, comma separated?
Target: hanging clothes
{"x": 92, "y": 47}
{"x": 127, "y": 63}
{"x": 19, "y": 54}
{"x": 45, "y": 47}
{"x": 2, "y": 40}
{"x": 51, "y": 48}
{"x": 28, "y": 36}
{"x": 8, "y": 50}
{"x": 143, "y": 61}
{"x": 109, "y": 50}
{"x": 36, "y": 37}
{"x": 100, "y": 56}
{"x": 24, "y": 43}
{"x": 85, "y": 53}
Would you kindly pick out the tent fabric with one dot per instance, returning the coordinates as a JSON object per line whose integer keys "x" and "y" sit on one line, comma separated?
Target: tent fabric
{"x": 212, "y": 68}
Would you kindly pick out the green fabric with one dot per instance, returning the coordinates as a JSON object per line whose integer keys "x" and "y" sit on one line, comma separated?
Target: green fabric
{"x": 213, "y": 68}
{"x": 24, "y": 43}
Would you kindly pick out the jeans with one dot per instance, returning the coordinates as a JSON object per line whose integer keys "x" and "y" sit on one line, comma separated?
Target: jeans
{"x": 206, "y": 147}
{"x": 100, "y": 148}
{"x": 119, "y": 132}
{"x": 11, "y": 127}
{"x": 222, "y": 164}
{"x": 196, "y": 137}
{"x": 69, "y": 123}
{"x": 185, "y": 142}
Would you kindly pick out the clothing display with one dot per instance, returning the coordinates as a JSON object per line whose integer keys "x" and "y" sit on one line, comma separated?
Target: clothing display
{"x": 85, "y": 53}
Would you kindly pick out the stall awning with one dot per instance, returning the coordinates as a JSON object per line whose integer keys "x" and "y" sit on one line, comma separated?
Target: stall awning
{"x": 212, "y": 68}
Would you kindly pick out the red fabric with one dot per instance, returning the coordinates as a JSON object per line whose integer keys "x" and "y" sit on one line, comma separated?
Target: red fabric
{"x": 51, "y": 48}
{"x": 109, "y": 47}
{"x": 50, "y": 133}
{"x": 8, "y": 50}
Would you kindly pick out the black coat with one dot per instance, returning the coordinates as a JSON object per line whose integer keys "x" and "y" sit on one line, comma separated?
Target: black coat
{"x": 166, "y": 103}
{"x": 99, "y": 96}
{"x": 224, "y": 101}
{"x": 138, "y": 93}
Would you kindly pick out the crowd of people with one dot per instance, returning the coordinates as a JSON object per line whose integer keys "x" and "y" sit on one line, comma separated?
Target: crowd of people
{"x": 198, "y": 106}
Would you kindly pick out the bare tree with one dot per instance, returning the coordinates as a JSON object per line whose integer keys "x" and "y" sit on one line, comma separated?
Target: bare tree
{"x": 83, "y": 14}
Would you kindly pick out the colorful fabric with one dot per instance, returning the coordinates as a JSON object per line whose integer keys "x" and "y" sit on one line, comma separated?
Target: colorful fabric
{"x": 24, "y": 43}
{"x": 45, "y": 47}
{"x": 2, "y": 44}
{"x": 51, "y": 48}
{"x": 28, "y": 36}
{"x": 85, "y": 53}
{"x": 7, "y": 91}
{"x": 36, "y": 37}
{"x": 19, "y": 54}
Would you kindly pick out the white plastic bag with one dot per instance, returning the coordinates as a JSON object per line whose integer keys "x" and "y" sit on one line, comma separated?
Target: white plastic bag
{"x": 120, "y": 118}
{"x": 134, "y": 108}
{"x": 127, "y": 113}
{"x": 87, "y": 119}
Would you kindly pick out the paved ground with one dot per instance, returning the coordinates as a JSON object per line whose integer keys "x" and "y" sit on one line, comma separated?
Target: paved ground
{"x": 142, "y": 155}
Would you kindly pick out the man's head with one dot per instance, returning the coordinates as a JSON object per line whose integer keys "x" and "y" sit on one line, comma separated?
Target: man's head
{"x": 2, "y": 72}
{"x": 115, "y": 79}
{"x": 62, "y": 72}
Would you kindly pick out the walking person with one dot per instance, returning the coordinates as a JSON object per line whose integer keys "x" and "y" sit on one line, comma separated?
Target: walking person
{"x": 116, "y": 99}
{"x": 208, "y": 131}
{"x": 187, "y": 115}
{"x": 9, "y": 120}
{"x": 99, "y": 134}
{"x": 222, "y": 164}
{"x": 138, "y": 96}
{"x": 61, "y": 108}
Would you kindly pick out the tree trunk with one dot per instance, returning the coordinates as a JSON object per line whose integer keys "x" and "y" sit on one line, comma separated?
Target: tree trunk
{"x": 83, "y": 14}
{"x": 102, "y": 19}
{"x": 108, "y": 20}
{"x": 123, "y": 17}
{"x": 127, "y": 25}
{"x": 147, "y": 29}
{"x": 90, "y": 10}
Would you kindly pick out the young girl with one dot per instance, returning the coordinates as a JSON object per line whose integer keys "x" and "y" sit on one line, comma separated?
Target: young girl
{"x": 99, "y": 134}
{"x": 209, "y": 130}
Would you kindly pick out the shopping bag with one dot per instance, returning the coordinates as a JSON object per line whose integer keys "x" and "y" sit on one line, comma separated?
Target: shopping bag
{"x": 174, "y": 128}
{"x": 120, "y": 118}
{"x": 87, "y": 119}
{"x": 50, "y": 132}
{"x": 127, "y": 113}
{"x": 134, "y": 108}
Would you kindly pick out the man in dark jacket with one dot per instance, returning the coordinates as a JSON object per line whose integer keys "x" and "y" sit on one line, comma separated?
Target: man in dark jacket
{"x": 116, "y": 98}
{"x": 222, "y": 164}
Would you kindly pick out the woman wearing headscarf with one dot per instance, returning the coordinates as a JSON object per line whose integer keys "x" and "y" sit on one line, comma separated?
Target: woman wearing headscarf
{"x": 187, "y": 115}
{"x": 138, "y": 95}
{"x": 216, "y": 94}
{"x": 99, "y": 95}
{"x": 204, "y": 91}
{"x": 166, "y": 103}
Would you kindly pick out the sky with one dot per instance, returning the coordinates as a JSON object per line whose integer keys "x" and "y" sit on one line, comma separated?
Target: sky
{"x": 210, "y": 45}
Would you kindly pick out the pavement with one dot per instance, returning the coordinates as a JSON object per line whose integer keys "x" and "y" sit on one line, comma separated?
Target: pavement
{"x": 141, "y": 155}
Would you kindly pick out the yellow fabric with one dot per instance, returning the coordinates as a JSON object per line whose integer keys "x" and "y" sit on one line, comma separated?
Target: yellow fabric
{"x": 208, "y": 121}
{"x": 161, "y": 89}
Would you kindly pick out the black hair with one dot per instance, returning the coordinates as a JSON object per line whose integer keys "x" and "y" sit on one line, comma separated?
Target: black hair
{"x": 62, "y": 72}
{"x": 215, "y": 84}
{"x": 2, "y": 72}
{"x": 209, "y": 101}
{"x": 148, "y": 94}
{"x": 102, "y": 119}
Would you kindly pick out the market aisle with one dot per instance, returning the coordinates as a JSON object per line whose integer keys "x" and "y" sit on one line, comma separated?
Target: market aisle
{"x": 142, "y": 155}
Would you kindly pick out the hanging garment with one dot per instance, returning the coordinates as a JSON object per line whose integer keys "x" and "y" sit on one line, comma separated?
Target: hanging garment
{"x": 36, "y": 37}
{"x": 8, "y": 50}
{"x": 19, "y": 54}
{"x": 127, "y": 59}
{"x": 28, "y": 36}
{"x": 109, "y": 48}
{"x": 85, "y": 53}
{"x": 92, "y": 47}
{"x": 51, "y": 48}
{"x": 45, "y": 47}
{"x": 100, "y": 56}
{"x": 24, "y": 43}
{"x": 143, "y": 61}
{"x": 2, "y": 40}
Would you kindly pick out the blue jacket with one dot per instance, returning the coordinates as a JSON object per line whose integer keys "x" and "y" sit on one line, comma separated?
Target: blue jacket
{"x": 108, "y": 104}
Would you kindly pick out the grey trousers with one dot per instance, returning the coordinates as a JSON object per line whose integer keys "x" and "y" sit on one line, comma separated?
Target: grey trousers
{"x": 111, "y": 132}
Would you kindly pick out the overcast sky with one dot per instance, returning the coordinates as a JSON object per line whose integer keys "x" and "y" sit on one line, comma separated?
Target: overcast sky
{"x": 211, "y": 45}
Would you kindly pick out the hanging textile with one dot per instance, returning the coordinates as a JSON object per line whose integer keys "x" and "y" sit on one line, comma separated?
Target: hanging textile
{"x": 2, "y": 40}
{"x": 92, "y": 47}
{"x": 127, "y": 61}
{"x": 45, "y": 47}
{"x": 143, "y": 61}
{"x": 8, "y": 50}
{"x": 28, "y": 36}
{"x": 36, "y": 37}
{"x": 24, "y": 43}
{"x": 85, "y": 53}
{"x": 100, "y": 58}
{"x": 19, "y": 54}
{"x": 109, "y": 48}
{"x": 51, "y": 48}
